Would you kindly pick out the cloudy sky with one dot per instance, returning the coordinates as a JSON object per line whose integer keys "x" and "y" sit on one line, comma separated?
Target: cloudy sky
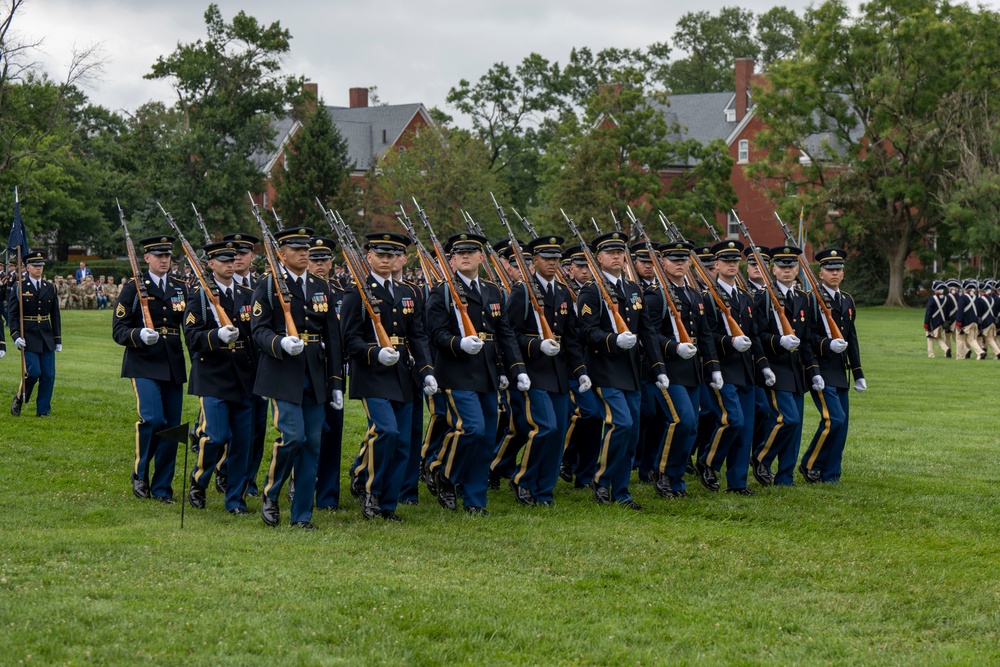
{"x": 413, "y": 51}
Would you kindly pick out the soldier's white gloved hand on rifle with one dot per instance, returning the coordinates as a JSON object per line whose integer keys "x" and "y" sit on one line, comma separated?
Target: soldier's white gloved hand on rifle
{"x": 686, "y": 350}
{"x": 504, "y": 382}
{"x": 20, "y": 343}
{"x": 860, "y": 384}
{"x": 59, "y": 347}
{"x": 769, "y": 378}
{"x": 549, "y": 347}
{"x": 228, "y": 334}
{"x": 388, "y": 356}
{"x": 716, "y": 382}
{"x": 838, "y": 345}
{"x": 585, "y": 384}
{"x": 790, "y": 342}
{"x": 471, "y": 345}
{"x": 430, "y": 385}
{"x": 337, "y": 399}
{"x": 523, "y": 382}
{"x": 818, "y": 383}
{"x": 741, "y": 343}
{"x": 293, "y": 345}
{"x": 626, "y": 340}
{"x": 148, "y": 336}
{"x": 662, "y": 381}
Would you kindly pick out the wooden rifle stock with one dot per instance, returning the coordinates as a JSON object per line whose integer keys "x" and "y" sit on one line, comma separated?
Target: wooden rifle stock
{"x": 831, "y": 322}
{"x": 492, "y": 267}
{"x": 610, "y": 300}
{"x": 544, "y": 329}
{"x": 682, "y": 333}
{"x": 786, "y": 326}
{"x": 457, "y": 297}
{"x": 284, "y": 296}
{"x": 140, "y": 286}
{"x": 716, "y": 238}
{"x": 528, "y": 227}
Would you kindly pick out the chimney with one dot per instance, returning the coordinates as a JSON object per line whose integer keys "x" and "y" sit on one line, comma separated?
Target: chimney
{"x": 359, "y": 98}
{"x": 744, "y": 72}
{"x": 311, "y": 91}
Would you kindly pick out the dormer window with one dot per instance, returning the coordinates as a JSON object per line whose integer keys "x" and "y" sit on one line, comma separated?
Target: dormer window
{"x": 730, "y": 115}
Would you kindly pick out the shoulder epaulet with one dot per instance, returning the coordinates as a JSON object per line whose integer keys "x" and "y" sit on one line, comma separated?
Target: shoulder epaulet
{"x": 488, "y": 282}
{"x": 846, "y": 293}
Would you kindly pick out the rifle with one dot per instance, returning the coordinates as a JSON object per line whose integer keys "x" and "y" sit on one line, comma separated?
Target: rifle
{"x": 201, "y": 223}
{"x": 457, "y": 292}
{"x": 734, "y": 327}
{"x": 277, "y": 219}
{"x": 528, "y": 227}
{"x": 610, "y": 299}
{"x": 140, "y": 285}
{"x": 831, "y": 323}
{"x": 284, "y": 296}
{"x": 786, "y": 326}
{"x": 661, "y": 277}
{"x": 629, "y": 266}
{"x": 356, "y": 267}
{"x": 493, "y": 269}
{"x": 431, "y": 272}
{"x": 717, "y": 239}
{"x": 530, "y": 286}
{"x": 210, "y": 288}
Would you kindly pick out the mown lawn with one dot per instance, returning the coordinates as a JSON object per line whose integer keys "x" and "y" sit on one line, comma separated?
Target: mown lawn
{"x": 900, "y": 563}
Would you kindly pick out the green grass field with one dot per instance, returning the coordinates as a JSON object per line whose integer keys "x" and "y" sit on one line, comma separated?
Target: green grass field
{"x": 898, "y": 564}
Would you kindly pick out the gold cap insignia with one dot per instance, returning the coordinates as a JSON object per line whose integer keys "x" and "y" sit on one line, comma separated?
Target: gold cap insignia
{"x": 787, "y": 250}
{"x": 229, "y": 245}
{"x": 615, "y": 236}
{"x": 238, "y": 237}
{"x": 732, "y": 245}
{"x": 464, "y": 237}
{"x": 833, "y": 253}
{"x": 163, "y": 240}
{"x": 552, "y": 240}
{"x": 320, "y": 242}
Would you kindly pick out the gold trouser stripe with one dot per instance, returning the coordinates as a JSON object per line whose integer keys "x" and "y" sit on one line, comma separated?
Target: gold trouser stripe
{"x": 777, "y": 426}
{"x": 202, "y": 427}
{"x": 572, "y": 424}
{"x": 430, "y": 430}
{"x": 668, "y": 437}
{"x": 274, "y": 449}
{"x": 526, "y": 457}
{"x": 508, "y": 436}
{"x": 368, "y": 448}
{"x": 449, "y": 446}
{"x": 138, "y": 411}
{"x": 827, "y": 424}
{"x": 363, "y": 449}
{"x": 609, "y": 428}
{"x": 723, "y": 425}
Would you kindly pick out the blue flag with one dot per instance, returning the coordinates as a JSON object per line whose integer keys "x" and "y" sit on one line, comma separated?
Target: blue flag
{"x": 18, "y": 237}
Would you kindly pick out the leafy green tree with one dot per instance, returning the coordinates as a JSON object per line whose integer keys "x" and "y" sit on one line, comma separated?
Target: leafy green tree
{"x": 713, "y": 43}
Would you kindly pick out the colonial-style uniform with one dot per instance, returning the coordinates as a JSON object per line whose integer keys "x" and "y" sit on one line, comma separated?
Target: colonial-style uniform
{"x": 835, "y": 359}
{"x": 967, "y": 322}
{"x": 41, "y": 337}
{"x": 989, "y": 315}
{"x": 299, "y": 374}
{"x": 154, "y": 361}
{"x": 935, "y": 320}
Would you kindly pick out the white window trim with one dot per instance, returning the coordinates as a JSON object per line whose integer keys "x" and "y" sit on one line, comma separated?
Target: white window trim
{"x": 743, "y": 151}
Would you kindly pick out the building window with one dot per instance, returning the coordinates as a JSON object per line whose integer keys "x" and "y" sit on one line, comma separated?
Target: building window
{"x": 743, "y": 156}
{"x": 732, "y": 226}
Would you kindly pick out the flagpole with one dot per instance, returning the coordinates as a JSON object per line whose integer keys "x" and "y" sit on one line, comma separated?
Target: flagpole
{"x": 20, "y": 316}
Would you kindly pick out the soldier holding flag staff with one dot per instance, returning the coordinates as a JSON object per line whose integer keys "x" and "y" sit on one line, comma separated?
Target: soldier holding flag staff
{"x": 37, "y": 307}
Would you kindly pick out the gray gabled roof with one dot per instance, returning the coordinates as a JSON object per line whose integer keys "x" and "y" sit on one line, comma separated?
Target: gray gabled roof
{"x": 701, "y": 116}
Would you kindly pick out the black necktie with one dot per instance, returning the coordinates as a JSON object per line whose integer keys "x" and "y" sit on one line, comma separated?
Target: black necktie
{"x": 388, "y": 287}
{"x": 549, "y": 293}
{"x": 475, "y": 287}
{"x": 229, "y": 294}
{"x": 298, "y": 284}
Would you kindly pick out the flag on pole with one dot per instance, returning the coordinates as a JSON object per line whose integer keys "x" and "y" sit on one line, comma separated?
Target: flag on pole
{"x": 18, "y": 237}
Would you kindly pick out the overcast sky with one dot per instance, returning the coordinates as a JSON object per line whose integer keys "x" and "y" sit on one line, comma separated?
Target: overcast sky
{"x": 413, "y": 51}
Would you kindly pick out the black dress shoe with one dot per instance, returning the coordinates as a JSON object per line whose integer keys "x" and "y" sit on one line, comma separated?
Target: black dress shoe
{"x": 707, "y": 476}
{"x": 370, "y": 508}
{"x": 196, "y": 495}
{"x": 166, "y": 500}
{"x": 15, "y": 406}
{"x": 811, "y": 476}
{"x": 493, "y": 481}
{"x": 357, "y": 486}
{"x": 689, "y": 469}
{"x": 947, "y": 354}
{"x": 304, "y": 525}
{"x": 140, "y": 489}
{"x": 270, "y": 512}
{"x": 521, "y": 494}
{"x": 391, "y": 516}
{"x": 630, "y": 504}
{"x": 427, "y": 477}
{"x": 742, "y": 492}
{"x": 221, "y": 482}
{"x": 761, "y": 472}
{"x": 662, "y": 487}
{"x": 445, "y": 492}
{"x": 193, "y": 440}
{"x": 601, "y": 494}
{"x": 239, "y": 511}
{"x": 565, "y": 472}
{"x": 477, "y": 511}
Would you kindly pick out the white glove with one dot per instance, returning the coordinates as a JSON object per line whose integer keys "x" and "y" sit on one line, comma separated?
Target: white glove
{"x": 2, "y": 354}
{"x": 627, "y": 340}
{"x": 741, "y": 343}
{"x": 523, "y": 382}
{"x": 818, "y": 383}
{"x": 838, "y": 345}
{"x": 769, "y": 378}
{"x": 148, "y": 336}
{"x": 662, "y": 381}
{"x": 430, "y": 385}
{"x": 471, "y": 345}
{"x": 550, "y": 348}
{"x": 388, "y": 356}
{"x": 337, "y": 399}
{"x": 860, "y": 384}
{"x": 228, "y": 334}
{"x": 686, "y": 350}
{"x": 504, "y": 382}
{"x": 59, "y": 347}
{"x": 716, "y": 382}
{"x": 293, "y": 345}
{"x": 20, "y": 343}
{"x": 585, "y": 384}
{"x": 790, "y": 342}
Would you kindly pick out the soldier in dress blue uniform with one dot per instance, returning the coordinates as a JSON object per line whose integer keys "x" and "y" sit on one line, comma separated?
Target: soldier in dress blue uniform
{"x": 688, "y": 365}
{"x": 791, "y": 359}
{"x": 836, "y": 357}
{"x": 651, "y": 422}
{"x": 154, "y": 360}
{"x": 298, "y": 373}
{"x": 380, "y": 376}
{"x": 935, "y": 320}
{"x": 743, "y": 364}
{"x": 222, "y": 377}
{"x": 542, "y": 413}
{"x": 42, "y": 335}
{"x": 613, "y": 363}
{"x": 754, "y": 284}
{"x": 468, "y": 369}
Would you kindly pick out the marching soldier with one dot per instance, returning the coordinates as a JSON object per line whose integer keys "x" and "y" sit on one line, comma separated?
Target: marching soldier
{"x": 754, "y": 284}
{"x": 651, "y": 423}
{"x": 835, "y": 357}
{"x": 468, "y": 369}
{"x": 989, "y": 314}
{"x": 154, "y": 360}
{"x": 951, "y": 313}
{"x": 935, "y": 320}
{"x": 298, "y": 373}
{"x": 967, "y": 322}
{"x": 222, "y": 376}
{"x": 379, "y": 380}
{"x": 41, "y": 337}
